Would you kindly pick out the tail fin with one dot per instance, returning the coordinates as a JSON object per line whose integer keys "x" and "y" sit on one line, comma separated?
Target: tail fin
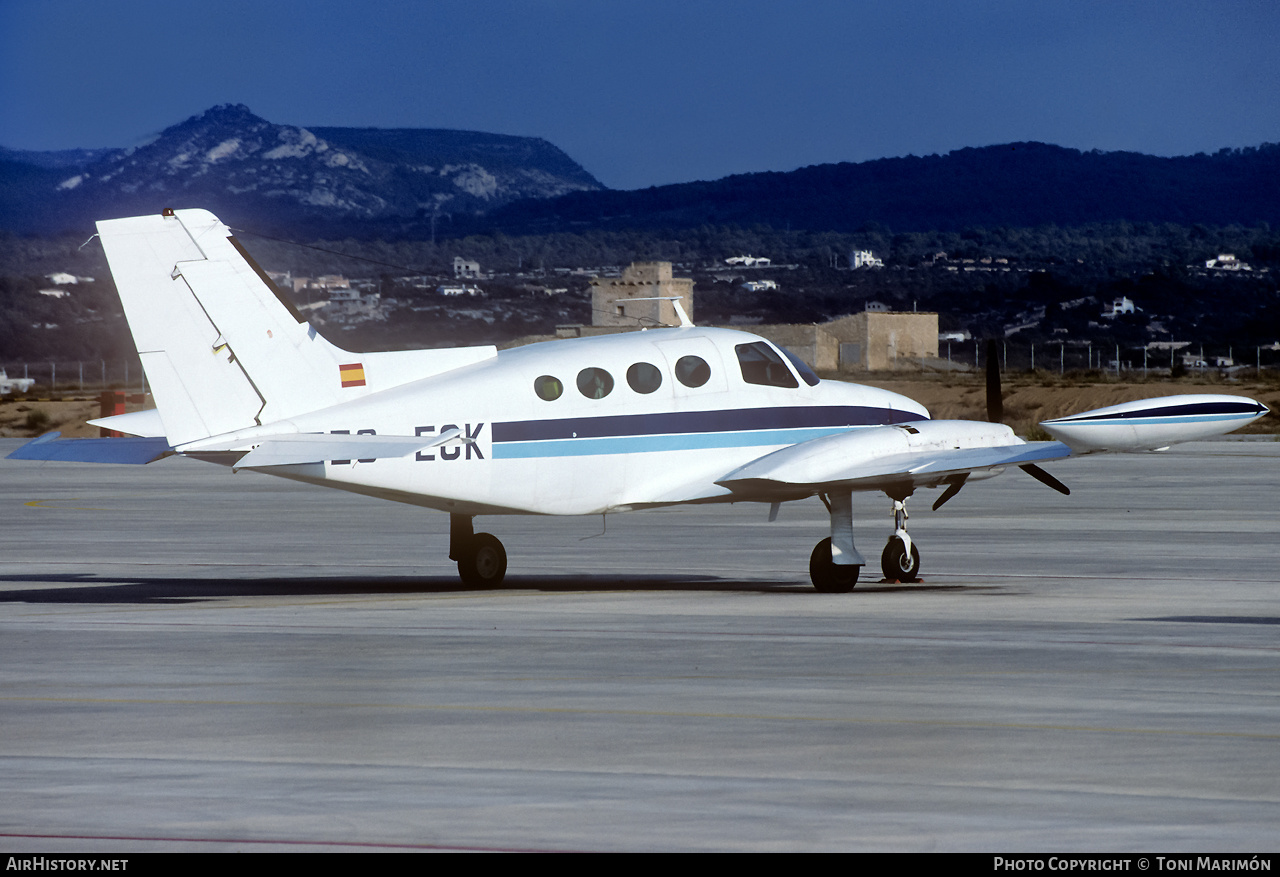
{"x": 223, "y": 349}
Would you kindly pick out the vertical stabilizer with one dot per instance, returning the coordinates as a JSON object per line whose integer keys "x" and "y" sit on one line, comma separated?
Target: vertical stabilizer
{"x": 222, "y": 347}
{"x": 199, "y": 388}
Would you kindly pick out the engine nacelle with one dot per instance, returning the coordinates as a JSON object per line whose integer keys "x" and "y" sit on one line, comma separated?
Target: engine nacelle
{"x": 1150, "y": 424}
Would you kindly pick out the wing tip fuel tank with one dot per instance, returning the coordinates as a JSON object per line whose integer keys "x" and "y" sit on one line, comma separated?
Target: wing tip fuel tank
{"x": 1149, "y": 424}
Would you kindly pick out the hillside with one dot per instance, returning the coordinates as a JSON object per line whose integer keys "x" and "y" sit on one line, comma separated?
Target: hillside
{"x": 334, "y": 181}
{"x": 1012, "y": 185}
{"x": 410, "y": 183}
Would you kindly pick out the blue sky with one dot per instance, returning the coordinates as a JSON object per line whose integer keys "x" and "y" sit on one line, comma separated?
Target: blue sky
{"x": 655, "y": 91}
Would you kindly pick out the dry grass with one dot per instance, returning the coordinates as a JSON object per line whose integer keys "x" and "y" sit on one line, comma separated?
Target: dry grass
{"x": 1031, "y": 398}
{"x": 1028, "y": 399}
{"x": 30, "y": 418}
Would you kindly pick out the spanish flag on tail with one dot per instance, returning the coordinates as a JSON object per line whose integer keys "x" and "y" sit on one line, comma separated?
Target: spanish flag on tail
{"x": 352, "y": 375}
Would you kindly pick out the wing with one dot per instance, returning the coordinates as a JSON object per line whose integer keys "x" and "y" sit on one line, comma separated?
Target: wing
{"x": 902, "y": 457}
{"x": 893, "y": 458}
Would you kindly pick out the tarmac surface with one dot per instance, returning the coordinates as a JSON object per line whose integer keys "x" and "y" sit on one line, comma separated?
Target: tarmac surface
{"x": 195, "y": 660}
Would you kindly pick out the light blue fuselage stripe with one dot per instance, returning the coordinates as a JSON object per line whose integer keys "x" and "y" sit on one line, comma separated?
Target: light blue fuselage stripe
{"x": 634, "y": 444}
{"x": 1141, "y": 421}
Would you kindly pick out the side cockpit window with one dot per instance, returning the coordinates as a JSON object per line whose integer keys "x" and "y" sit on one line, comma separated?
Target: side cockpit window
{"x": 762, "y": 365}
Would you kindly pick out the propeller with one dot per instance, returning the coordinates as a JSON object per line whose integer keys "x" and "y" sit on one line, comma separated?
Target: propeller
{"x": 995, "y": 414}
{"x": 1045, "y": 478}
{"x": 955, "y": 482}
{"x": 995, "y": 399}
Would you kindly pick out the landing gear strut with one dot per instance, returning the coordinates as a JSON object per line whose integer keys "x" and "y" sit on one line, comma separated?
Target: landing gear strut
{"x": 835, "y": 562}
{"x": 482, "y": 561}
{"x": 900, "y": 560}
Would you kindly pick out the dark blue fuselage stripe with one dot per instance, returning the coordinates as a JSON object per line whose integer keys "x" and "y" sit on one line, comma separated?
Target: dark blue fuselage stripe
{"x": 1176, "y": 410}
{"x": 675, "y": 423}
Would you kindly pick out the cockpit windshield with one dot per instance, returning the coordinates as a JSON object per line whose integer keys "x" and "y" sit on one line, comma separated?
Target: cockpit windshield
{"x": 806, "y": 373}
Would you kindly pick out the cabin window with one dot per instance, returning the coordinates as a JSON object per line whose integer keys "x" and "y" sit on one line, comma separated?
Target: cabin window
{"x": 644, "y": 378}
{"x": 692, "y": 371}
{"x": 595, "y": 383}
{"x": 548, "y": 388}
{"x": 761, "y": 364}
{"x": 806, "y": 373}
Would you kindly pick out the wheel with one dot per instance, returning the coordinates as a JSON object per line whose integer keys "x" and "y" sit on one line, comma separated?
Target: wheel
{"x": 826, "y": 576}
{"x": 895, "y": 564}
{"x": 484, "y": 562}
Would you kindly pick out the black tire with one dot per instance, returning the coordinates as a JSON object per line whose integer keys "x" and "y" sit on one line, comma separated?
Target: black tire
{"x": 894, "y": 563}
{"x": 826, "y": 576}
{"x": 484, "y": 562}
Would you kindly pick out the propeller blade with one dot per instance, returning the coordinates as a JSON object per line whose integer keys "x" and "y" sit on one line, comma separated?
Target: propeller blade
{"x": 1045, "y": 478}
{"x": 956, "y": 482}
{"x": 995, "y": 400}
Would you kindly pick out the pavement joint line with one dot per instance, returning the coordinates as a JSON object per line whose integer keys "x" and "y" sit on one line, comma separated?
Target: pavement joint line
{"x": 844, "y": 720}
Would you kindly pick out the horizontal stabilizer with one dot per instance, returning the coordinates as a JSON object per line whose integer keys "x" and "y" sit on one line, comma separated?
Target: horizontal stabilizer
{"x": 146, "y": 423}
{"x": 136, "y": 450}
{"x": 297, "y": 450}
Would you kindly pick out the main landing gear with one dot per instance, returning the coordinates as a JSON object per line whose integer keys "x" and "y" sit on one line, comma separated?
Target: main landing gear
{"x": 835, "y": 562}
{"x": 482, "y": 561}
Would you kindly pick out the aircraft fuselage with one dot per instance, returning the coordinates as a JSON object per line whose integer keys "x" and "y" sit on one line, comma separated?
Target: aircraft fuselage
{"x": 605, "y": 442}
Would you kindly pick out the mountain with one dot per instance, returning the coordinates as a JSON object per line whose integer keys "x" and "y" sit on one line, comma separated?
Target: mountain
{"x": 249, "y": 170}
{"x": 413, "y": 183}
{"x": 1015, "y": 184}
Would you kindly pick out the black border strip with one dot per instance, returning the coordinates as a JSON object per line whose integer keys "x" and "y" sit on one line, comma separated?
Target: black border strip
{"x": 723, "y": 420}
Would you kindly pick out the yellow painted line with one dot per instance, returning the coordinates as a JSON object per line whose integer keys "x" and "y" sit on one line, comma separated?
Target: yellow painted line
{"x": 929, "y": 723}
{"x": 40, "y": 504}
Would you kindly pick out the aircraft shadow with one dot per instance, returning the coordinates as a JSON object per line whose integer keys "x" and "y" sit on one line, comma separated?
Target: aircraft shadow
{"x": 1217, "y": 619}
{"x": 155, "y": 590}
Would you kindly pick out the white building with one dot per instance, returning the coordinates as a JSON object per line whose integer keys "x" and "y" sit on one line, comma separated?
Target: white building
{"x": 865, "y": 259}
{"x": 1228, "y": 262}
{"x": 1117, "y": 307}
{"x": 749, "y": 261}
{"x": 464, "y": 268}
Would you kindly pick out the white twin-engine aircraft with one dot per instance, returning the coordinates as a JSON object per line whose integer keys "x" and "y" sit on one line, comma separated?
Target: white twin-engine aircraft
{"x": 574, "y": 427}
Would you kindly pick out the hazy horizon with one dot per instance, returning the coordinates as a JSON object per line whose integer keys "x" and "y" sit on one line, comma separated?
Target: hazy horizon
{"x": 657, "y": 92}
